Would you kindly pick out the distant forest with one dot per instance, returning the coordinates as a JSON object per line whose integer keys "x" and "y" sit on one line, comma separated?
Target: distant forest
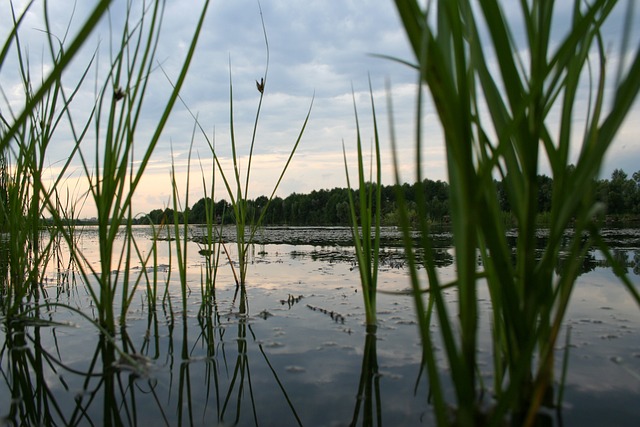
{"x": 620, "y": 194}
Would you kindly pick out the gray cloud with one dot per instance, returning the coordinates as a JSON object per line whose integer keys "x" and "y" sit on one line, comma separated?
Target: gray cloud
{"x": 316, "y": 47}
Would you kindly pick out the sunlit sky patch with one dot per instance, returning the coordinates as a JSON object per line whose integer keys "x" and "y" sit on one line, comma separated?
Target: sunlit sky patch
{"x": 318, "y": 50}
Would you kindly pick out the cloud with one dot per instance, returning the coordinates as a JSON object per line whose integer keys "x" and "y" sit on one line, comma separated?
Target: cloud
{"x": 317, "y": 50}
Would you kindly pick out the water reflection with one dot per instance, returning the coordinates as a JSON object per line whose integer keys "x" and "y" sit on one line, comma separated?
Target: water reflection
{"x": 629, "y": 260}
{"x": 40, "y": 381}
{"x": 120, "y": 384}
{"x": 334, "y": 244}
{"x": 261, "y": 354}
{"x": 368, "y": 400}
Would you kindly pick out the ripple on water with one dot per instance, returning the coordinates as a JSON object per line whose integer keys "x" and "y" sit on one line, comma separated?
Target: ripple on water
{"x": 295, "y": 369}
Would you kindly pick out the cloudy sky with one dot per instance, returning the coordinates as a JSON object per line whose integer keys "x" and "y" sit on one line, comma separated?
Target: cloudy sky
{"x": 319, "y": 50}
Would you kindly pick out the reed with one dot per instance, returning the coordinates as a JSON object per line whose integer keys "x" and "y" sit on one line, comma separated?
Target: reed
{"x": 17, "y": 264}
{"x": 25, "y": 139}
{"x": 62, "y": 59}
{"x": 237, "y": 185}
{"x": 241, "y": 376}
{"x": 120, "y": 99}
{"x": 114, "y": 173}
{"x": 365, "y": 217}
{"x": 149, "y": 264}
{"x": 211, "y": 243}
{"x": 119, "y": 105}
{"x": 41, "y": 406}
{"x": 31, "y": 368}
{"x": 529, "y": 294}
{"x": 182, "y": 236}
{"x": 28, "y": 245}
{"x": 369, "y": 396}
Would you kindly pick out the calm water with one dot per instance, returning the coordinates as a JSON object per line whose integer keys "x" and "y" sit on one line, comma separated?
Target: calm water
{"x": 296, "y": 351}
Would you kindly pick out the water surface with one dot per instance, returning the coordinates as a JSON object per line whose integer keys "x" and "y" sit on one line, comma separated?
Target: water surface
{"x": 291, "y": 347}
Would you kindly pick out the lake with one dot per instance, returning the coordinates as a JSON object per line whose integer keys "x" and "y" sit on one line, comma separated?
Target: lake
{"x": 291, "y": 347}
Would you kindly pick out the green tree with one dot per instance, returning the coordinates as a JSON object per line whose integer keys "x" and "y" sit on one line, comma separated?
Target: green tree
{"x": 620, "y": 192}
{"x": 197, "y": 214}
{"x": 4, "y": 195}
{"x": 635, "y": 201}
{"x": 545, "y": 193}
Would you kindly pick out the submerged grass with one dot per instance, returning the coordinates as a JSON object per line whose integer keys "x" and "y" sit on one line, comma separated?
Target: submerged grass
{"x": 529, "y": 294}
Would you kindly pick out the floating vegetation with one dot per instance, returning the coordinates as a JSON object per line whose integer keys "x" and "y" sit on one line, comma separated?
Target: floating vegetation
{"x": 264, "y": 314}
{"x": 337, "y": 317}
{"x": 291, "y": 300}
{"x": 206, "y": 252}
{"x": 163, "y": 239}
{"x": 139, "y": 364}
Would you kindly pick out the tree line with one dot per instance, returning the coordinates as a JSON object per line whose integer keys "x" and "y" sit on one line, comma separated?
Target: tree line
{"x": 620, "y": 194}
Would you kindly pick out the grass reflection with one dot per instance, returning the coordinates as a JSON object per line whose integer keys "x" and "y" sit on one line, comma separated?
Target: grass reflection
{"x": 31, "y": 399}
{"x": 111, "y": 385}
{"x": 215, "y": 363}
{"x": 240, "y": 383}
{"x": 368, "y": 399}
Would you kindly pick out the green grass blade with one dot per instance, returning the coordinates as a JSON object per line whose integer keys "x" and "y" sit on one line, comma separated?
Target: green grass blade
{"x": 65, "y": 59}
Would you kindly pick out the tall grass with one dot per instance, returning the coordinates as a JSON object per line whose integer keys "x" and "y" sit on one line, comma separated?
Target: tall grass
{"x": 25, "y": 139}
{"x": 62, "y": 59}
{"x": 211, "y": 243}
{"x": 237, "y": 185}
{"x": 114, "y": 173}
{"x": 365, "y": 217}
{"x": 498, "y": 122}
{"x": 181, "y": 237}
{"x": 112, "y": 127}
{"x": 113, "y": 180}
{"x": 369, "y": 396}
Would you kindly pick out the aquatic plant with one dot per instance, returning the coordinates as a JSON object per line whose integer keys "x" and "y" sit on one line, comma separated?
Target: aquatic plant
{"x": 25, "y": 138}
{"x": 113, "y": 180}
{"x": 211, "y": 243}
{"x": 11, "y": 126}
{"x": 22, "y": 262}
{"x": 182, "y": 236}
{"x": 246, "y": 222}
{"x": 114, "y": 174}
{"x": 365, "y": 217}
{"x": 498, "y": 122}
{"x": 368, "y": 398}
{"x": 149, "y": 265}
{"x": 119, "y": 102}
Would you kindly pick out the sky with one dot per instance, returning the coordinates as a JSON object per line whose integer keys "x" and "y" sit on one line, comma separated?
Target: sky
{"x": 322, "y": 55}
